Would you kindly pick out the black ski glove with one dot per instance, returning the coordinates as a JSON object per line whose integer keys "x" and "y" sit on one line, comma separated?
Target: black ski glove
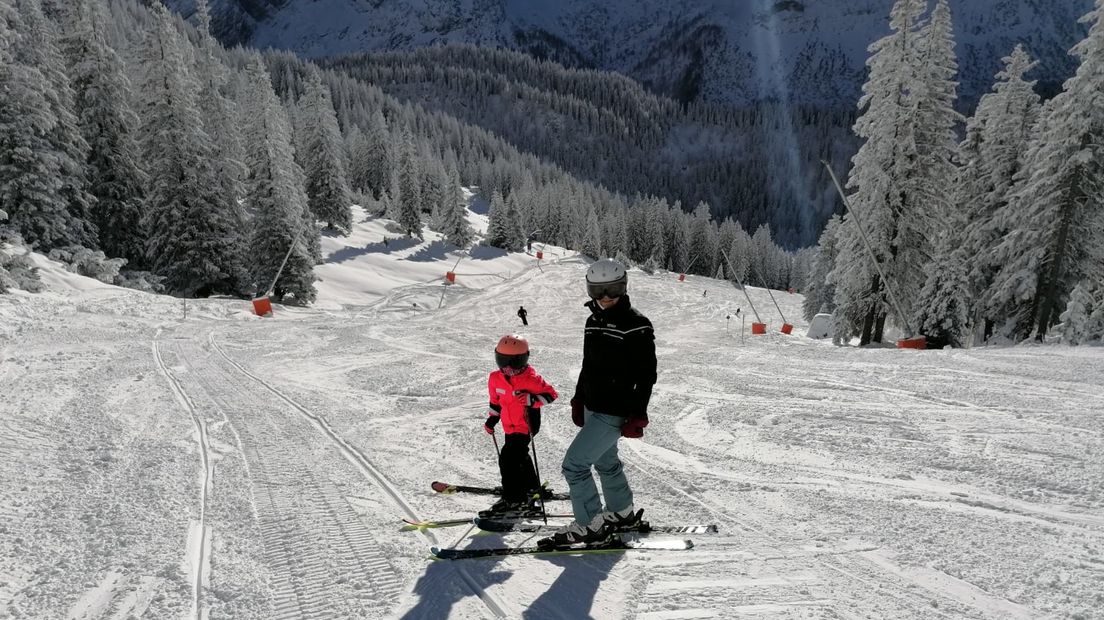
{"x": 489, "y": 425}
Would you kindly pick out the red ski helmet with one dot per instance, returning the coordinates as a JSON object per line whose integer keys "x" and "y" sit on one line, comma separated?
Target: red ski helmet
{"x": 512, "y": 351}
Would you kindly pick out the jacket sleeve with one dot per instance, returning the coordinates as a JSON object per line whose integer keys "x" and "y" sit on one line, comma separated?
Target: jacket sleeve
{"x": 543, "y": 392}
{"x": 580, "y": 390}
{"x": 645, "y": 371}
{"x": 494, "y": 407}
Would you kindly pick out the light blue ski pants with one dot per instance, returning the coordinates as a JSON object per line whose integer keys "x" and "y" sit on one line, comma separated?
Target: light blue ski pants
{"x": 596, "y": 446}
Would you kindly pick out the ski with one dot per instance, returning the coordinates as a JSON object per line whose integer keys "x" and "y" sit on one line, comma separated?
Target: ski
{"x": 445, "y": 488}
{"x": 614, "y": 545}
{"x": 498, "y": 525}
{"x": 411, "y": 525}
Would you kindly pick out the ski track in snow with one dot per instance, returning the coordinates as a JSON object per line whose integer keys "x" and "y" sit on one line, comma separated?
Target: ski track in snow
{"x": 846, "y": 483}
{"x": 197, "y": 539}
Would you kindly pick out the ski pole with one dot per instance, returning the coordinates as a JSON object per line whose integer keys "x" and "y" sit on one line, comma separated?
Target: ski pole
{"x": 494, "y": 438}
{"x": 536, "y": 466}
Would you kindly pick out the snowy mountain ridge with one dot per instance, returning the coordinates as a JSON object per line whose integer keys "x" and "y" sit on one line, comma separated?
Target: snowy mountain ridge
{"x": 812, "y": 52}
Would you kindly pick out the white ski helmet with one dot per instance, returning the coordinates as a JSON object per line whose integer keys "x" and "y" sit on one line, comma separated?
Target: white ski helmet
{"x": 607, "y": 277}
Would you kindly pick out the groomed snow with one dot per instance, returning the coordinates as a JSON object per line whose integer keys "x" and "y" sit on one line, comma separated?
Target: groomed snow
{"x": 228, "y": 466}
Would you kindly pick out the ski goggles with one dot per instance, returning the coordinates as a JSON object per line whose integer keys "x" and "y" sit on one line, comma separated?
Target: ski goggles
{"x": 516, "y": 361}
{"x": 613, "y": 290}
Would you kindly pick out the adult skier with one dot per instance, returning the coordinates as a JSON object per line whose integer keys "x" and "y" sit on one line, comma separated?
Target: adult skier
{"x": 517, "y": 394}
{"x": 522, "y": 314}
{"x": 610, "y": 402}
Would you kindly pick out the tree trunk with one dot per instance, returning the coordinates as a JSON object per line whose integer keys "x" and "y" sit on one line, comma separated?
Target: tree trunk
{"x": 1048, "y": 290}
{"x": 879, "y": 327}
{"x": 868, "y": 322}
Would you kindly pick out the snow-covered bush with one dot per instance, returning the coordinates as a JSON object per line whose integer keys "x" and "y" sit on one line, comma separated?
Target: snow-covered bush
{"x": 1083, "y": 319}
{"x": 90, "y": 263}
{"x": 19, "y": 272}
{"x": 140, "y": 281}
{"x": 16, "y": 270}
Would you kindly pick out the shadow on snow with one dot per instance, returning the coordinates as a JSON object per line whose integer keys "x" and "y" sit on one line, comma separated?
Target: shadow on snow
{"x": 397, "y": 244}
{"x": 571, "y": 595}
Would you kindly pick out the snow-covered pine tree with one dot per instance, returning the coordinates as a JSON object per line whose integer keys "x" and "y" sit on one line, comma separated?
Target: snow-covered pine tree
{"x": 739, "y": 254}
{"x": 277, "y": 196}
{"x": 819, "y": 291}
{"x": 764, "y": 263}
{"x": 102, "y": 98}
{"x": 409, "y": 205}
{"x": 678, "y": 239}
{"x": 221, "y": 121}
{"x": 592, "y": 235}
{"x": 884, "y": 182}
{"x": 1055, "y": 216}
{"x": 498, "y": 222}
{"x": 516, "y": 234}
{"x": 356, "y": 149}
{"x": 30, "y": 173}
{"x": 193, "y": 233}
{"x": 38, "y": 48}
{"x": 944, "y": 310}
{"x": 613, "y": 237}
{"x": 997, "y": 136}
{"x": 1075, "y": 320}
{"x": 1095, "y": 327}
{"x": 324, "y": 157}
{"x": 703, "y": 241}
{"x": 637, "y": 240}
{"x": 378, "y": 160}
{"x": 454, "y": 218}
{"x": 936, "y": 139}
{"x": 656, "y": 220}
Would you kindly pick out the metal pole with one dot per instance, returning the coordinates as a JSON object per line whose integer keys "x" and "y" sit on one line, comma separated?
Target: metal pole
{"x": 742, "y": 287}
{"x": 283, "y": 263}
{"x": 764, "y": 281}
{"x": 743, "y": 328}
{"x": 869, "y": 249}
{"x": 495, "y": 439}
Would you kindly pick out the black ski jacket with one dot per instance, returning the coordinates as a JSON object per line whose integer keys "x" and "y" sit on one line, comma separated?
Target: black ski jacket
{"x": 619, "y": 361}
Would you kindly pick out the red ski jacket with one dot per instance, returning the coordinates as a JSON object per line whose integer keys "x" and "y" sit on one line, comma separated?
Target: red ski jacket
{"x": 512, "y": 397}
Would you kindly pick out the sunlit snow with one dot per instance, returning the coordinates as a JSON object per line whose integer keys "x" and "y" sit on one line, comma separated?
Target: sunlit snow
{"x": 231, "y": 466}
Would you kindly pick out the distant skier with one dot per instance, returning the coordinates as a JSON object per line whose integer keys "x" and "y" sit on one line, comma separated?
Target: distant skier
{"x": 610, "y": 402}
{"x": 522, "y": 314}
{"x": 517, "y": 394}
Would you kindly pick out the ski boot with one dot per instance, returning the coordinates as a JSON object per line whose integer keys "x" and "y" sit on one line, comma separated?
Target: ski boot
{"x": 509, "y": 509}
{"x": 623, "y": 521}
{"x": 573, "y": 534}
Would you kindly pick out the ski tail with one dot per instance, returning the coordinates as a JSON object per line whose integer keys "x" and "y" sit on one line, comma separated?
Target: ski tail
{"x": 643, "y": 527}
{"x": 445, "y": 488}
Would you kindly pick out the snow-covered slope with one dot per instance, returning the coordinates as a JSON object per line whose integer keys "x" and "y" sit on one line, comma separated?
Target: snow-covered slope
{"x": 722, "y": 50}
{"x": 228, "y": 466}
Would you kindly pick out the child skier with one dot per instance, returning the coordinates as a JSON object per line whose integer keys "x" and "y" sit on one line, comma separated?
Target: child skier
{"x": 517, "y": 394}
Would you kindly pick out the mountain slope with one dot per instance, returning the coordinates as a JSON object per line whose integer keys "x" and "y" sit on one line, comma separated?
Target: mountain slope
{"x": 813, "y": 52}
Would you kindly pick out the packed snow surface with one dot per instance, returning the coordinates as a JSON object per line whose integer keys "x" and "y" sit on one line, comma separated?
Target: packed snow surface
{"x": 224, "y": 465}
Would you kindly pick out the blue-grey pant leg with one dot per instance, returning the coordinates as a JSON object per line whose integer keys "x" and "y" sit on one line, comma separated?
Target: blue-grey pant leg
{"x": 595, "y": 445}
{"x": 615, "y": 486}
